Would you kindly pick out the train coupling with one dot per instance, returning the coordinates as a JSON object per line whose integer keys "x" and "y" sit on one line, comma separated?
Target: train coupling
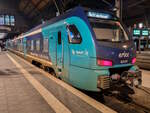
{"x": 130, "y": 78}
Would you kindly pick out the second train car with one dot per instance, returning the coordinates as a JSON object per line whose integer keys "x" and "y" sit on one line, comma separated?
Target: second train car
{"x": 89, "y": 49}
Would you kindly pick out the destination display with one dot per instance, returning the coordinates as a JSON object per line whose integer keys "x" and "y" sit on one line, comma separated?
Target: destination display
{"x": 100, "y": 15}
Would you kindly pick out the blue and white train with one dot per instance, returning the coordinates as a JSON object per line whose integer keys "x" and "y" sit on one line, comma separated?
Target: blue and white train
{"x": 89, "y": 49}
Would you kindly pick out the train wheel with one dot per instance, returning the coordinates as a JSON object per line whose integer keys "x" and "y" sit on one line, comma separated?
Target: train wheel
{"x": 53, "y": 73}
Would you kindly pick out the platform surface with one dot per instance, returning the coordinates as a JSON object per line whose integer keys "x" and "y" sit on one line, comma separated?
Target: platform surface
{"x": 27, "y": 89}
{"x": 143, "y": 60}
{"x": 146, "y": 78}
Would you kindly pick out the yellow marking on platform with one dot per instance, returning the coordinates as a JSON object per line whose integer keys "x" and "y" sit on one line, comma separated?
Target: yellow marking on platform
{"x": 54, "y": 103}
{"x": 99, "y": 106}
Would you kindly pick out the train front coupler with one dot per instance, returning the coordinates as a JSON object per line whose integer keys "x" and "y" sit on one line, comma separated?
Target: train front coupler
{"x": 125, "y": 82}
{"x": 131, "y": 78}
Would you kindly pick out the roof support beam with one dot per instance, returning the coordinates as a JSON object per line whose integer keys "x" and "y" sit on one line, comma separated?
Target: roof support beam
{"x": 26, "y": 5}
{"x": 59, "y": 5}
{"x": 46, "y": 15}
{"x": 35, "y": 7}
{"x": 136, "y": 3}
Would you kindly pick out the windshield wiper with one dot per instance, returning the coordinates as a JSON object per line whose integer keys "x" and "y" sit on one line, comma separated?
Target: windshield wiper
{"x": 107, "y": 40}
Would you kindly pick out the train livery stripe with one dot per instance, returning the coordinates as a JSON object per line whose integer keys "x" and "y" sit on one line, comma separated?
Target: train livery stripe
{"x": 40, "y": 60}
{"x": 33, "y": 33}
{"x": 57, "y": 106}
{"x": 99, "y": 106}
{"x": 30, "y": 34}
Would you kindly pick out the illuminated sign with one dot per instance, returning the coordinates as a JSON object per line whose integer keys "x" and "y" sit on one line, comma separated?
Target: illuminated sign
{"x": 2, "y": 20}
{"x": 7, "y": 20}
{"x": 140, "y": 32}
{"x": 136, "y": 32}
{"x": 145, "y": 33}
{"x": 12, "y": 20}
{"x": 99, "y": 15}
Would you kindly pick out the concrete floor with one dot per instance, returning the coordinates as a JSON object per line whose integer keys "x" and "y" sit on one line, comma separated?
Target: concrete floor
{"x": 27, "y": 89}
{"x": 146, "y": 78}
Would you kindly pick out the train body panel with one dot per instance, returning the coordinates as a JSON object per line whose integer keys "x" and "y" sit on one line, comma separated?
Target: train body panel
{"x": 69, "y": 42}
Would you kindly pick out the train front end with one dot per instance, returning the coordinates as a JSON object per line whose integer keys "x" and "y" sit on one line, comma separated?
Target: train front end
{"x": 115, "y": 52}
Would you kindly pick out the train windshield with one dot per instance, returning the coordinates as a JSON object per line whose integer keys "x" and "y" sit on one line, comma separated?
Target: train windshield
{"x": 108, "y": 30}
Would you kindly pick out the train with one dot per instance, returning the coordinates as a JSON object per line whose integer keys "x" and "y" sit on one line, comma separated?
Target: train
{"x": 89, "y": 49}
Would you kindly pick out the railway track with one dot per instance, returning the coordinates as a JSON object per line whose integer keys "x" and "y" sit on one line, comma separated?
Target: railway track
{"x": 123, "y": 104}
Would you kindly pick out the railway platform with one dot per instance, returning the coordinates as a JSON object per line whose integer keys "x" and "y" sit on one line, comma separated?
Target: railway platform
{"x": 25, "y": 88}
{"x": 143, "y": 60}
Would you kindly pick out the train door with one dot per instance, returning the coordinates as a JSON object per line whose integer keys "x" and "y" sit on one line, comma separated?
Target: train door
{"x": 52, "y": 48}
{"x": 60, "y": 53}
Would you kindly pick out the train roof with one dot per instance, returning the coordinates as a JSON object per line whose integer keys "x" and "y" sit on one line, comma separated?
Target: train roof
{"x": 77, "y": 11}
{"x": 67, "y": 14}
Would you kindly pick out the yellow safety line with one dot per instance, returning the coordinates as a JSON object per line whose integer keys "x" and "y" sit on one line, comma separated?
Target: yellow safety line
{"x": 99, "y": 106}
{"x": 56, "y": 105}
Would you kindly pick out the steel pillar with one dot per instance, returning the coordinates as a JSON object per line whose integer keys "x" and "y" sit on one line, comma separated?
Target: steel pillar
{"x": 119, "y": 5}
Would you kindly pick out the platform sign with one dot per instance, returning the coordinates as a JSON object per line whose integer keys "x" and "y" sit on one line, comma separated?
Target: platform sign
{"x": 2, "y": 20}
{"x": 12, "y": 20}
{"x": 7, "y": 20}
{"x": 136, "y": 32}
{"x": 145, "y": 32}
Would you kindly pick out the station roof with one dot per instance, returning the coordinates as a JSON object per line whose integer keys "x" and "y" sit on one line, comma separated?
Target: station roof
{"x": 36, "y": 11}
{"x": 133, "y": 11}
{"x": 45, "y": 9}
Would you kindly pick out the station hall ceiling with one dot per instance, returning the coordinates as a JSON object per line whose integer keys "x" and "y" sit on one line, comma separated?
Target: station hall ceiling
{"x": 36, "y": 11}
{"x": 45, "y": 9}
{"x": 133, "y": 10}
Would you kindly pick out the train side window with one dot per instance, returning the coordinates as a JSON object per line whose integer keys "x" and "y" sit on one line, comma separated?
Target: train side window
{"x": 59, "y": 37}
{"x": 37, "y": 45}
{"x": 28, "y": 45}
{"x": 45, "y": 45}
{"x": 74, "y": 35}
{"x": 32, "y": 45}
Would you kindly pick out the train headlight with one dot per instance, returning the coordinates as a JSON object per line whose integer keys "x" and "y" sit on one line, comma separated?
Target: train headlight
{"x": 133, "y": 60}
{"x": 101, "y": 62}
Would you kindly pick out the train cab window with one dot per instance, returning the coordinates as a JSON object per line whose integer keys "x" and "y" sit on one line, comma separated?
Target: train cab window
{"x": 73, "y": 35}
